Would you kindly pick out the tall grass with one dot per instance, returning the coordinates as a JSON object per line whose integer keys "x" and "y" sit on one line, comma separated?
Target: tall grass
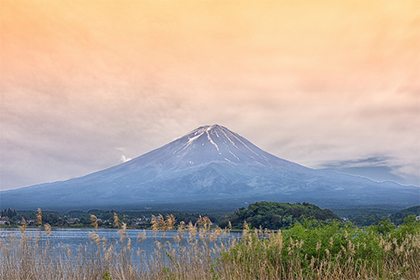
{"x": 310, "y": 250}
{"x": 317, "y": 251}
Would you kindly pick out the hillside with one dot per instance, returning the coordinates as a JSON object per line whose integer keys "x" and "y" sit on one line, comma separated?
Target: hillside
{"x": 398, "y": 217}
{"x": 276, "y": 215}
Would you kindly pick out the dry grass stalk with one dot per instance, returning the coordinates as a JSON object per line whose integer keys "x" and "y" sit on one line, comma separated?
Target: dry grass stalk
{"x": 94, "y": 220}
{"x": 262, "y": 254}
{"x": 22, "y": 228}
{"x": 39, "y": 217}
{"x": 116, "y": 220}
{"x": 47, "y": 228}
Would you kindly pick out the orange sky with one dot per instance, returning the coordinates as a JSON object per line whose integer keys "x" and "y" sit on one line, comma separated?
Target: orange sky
{"x": 301, "y": 44}
{"x": 309, "y": 81}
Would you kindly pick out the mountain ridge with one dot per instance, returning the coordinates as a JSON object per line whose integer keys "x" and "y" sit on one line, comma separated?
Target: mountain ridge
{"x": 209, "y": 164}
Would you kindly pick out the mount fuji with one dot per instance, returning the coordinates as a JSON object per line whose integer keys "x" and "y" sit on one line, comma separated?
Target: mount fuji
{"x": 209, "y": 168}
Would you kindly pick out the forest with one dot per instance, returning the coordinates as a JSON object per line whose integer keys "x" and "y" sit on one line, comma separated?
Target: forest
{"x": 269, "y": 215}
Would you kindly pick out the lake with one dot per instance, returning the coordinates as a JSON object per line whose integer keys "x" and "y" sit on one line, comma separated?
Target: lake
{"x": 72, "y": 239}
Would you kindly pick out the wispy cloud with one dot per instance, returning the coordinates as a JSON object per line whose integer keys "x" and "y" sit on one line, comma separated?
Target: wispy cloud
{"x": 309, "y": 82}
{"x": 365, "y": 162}
{"x": 376, "y": 168}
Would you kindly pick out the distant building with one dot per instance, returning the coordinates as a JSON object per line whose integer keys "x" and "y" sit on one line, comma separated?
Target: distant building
{"x": 73, "y": 220}
{"x": 4, "y": 220}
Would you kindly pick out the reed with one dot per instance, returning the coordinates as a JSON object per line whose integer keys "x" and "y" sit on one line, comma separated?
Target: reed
{"x": 310, "y": 250}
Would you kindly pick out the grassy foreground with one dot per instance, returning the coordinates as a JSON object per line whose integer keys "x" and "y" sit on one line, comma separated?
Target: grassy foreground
{"x": 309, "y": 250}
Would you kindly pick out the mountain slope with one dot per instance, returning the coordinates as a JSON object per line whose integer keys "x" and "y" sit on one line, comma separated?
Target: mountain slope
{"x": 209, "y": 167}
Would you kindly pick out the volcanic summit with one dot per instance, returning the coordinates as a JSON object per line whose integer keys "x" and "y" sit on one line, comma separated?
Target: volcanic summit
{"x": 210, "y": 167}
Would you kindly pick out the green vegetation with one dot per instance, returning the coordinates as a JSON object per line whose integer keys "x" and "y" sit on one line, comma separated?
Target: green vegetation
{"x": 372, "y": 216}
{"x": 270, "y": 215}
{"x": 82, "y": 219}
{"x": 276, "y": 215}
{"x": 357, "y": 212}
{"x": 8, "y": 213}
{"x": 315, "y": 250}
{"x": 311, "y": 249}
{"x": 399, "y": 217}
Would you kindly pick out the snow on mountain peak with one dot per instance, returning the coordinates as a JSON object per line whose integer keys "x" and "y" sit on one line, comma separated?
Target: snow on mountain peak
{"x": 209, "y": 165}
{"x": 215, "y": 143}
{"x": 209, "y": 144}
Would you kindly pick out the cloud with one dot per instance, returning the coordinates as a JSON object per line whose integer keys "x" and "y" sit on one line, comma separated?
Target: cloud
{"x": 376, "y": 168}
{"x": 124, "y": 159}
{"x": 337, "y": 86}
{"x": 364, "y": 162}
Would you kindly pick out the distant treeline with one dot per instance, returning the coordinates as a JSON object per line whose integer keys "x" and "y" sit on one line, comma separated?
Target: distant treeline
{"x": 269, "y": 215}
{"x": 372, "y": 216}
{"x": 105, "y": 219}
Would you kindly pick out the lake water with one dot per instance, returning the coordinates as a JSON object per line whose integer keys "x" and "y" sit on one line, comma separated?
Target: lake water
{"x": 74, "y": 238}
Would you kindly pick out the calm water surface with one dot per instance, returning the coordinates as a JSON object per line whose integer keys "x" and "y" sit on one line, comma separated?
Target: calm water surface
{"x": 74, "y": 238}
